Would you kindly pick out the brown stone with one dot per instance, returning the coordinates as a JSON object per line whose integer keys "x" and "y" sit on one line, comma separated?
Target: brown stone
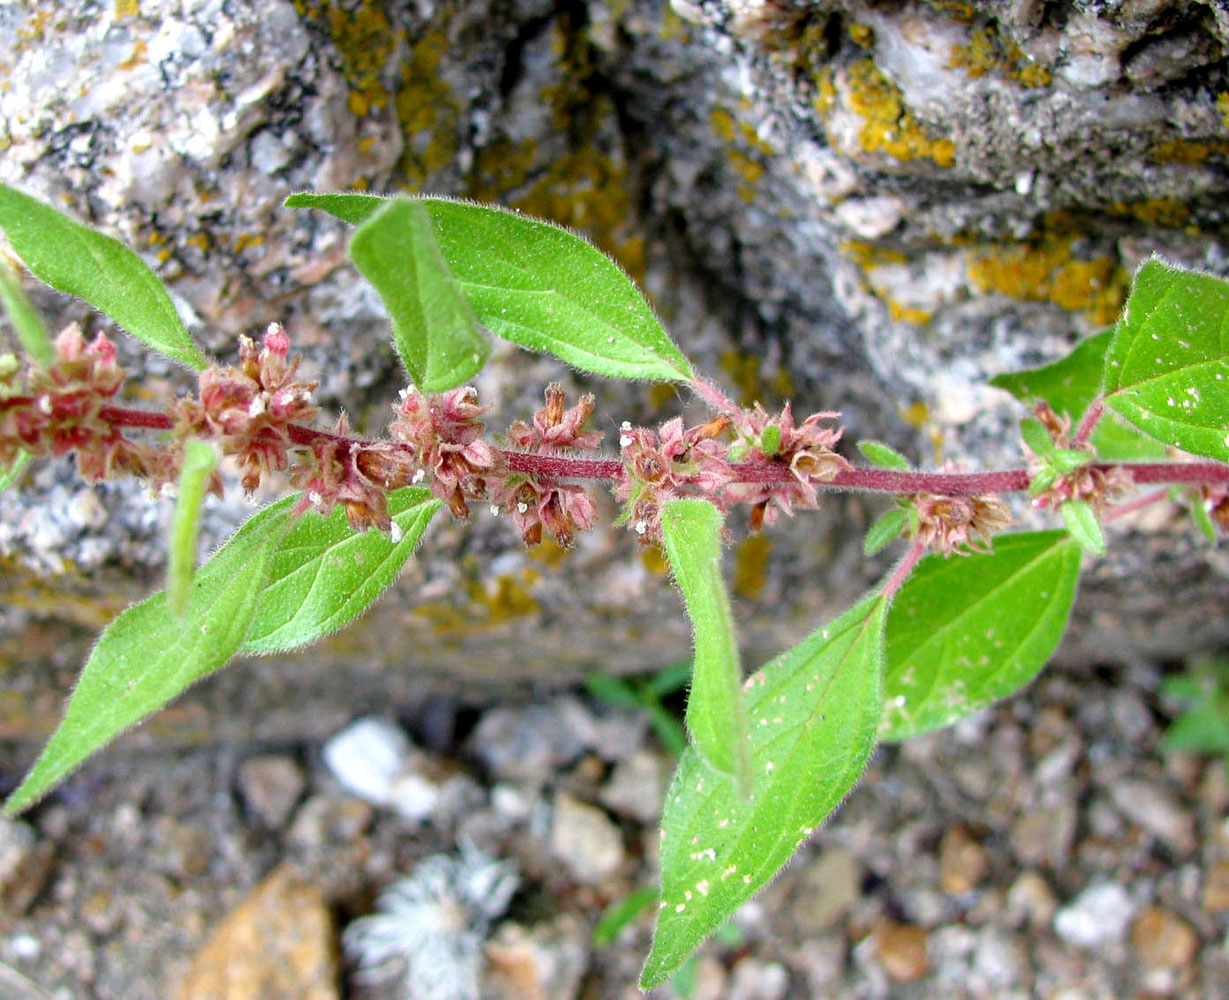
{"x": 278, "y": 944}
{"x": 1216, "y": 888}
{"x": 901, "y": 950}
{"x": 962, "y": 862}
{"x": 1161, "y": 937}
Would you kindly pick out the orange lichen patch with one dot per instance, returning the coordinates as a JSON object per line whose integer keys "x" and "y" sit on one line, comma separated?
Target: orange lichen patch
{"x": 868, "y": 256}
{"x": 902, "y": 313}
{"x": 989, "y": 52}
{"x": 751, "y": 565}
{"x": 746, "y": 142}
{"x": 1154, "y": 211}
{"x": 960, "y": 11}
{"x": 1043, "y": 271}
{"x": 862, "y": 34}
{"x": 136, "y": 57}
{"x": 825, "y": 92}
{"x": 365, "y": 41}
{"x": 127, "y": 8}
{"x": 1187, "y": 151}
{"x": 890, "y": 127}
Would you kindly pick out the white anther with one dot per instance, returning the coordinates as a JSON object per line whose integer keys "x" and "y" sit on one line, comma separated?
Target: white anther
{"x": 624, "y": 440}
{"x": 418, "y": 476}
{"x": 395, "y": 533}
{"x": 314, "y": 497}
{"x": 521, "y": 507}
{"x": 641, "y": 527}
{"x": 257, "y": 406}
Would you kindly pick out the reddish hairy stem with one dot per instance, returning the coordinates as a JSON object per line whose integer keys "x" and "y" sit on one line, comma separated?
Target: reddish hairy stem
{"x": 872, "y": 480}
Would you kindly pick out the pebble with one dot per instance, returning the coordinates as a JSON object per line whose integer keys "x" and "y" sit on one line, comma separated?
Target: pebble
{"x": 1044, "y": 836}
{"x": 754, "y": 979}
{"x": 524, "y": 744}
{"x": 1216, "y": 888}
{"x": 1030, "y": 900}
{"x": 825, "y": 891}
{"x": 271, "y": 785}
{"x": 544, "y": 962}
{"x": 1000, "y": 959}
{"x": 1156, "y": 811}
{"x": 636, "y": 786}
{"x": 328, "y": 819}
{"x": 1097, "y": 916}
{"x": 1161, "y": 937}
{"x": 25, "y": 863}
{"x": 277, "y": 944}
{"x": 962, "y": 861}
{"x": 367, "y": 756}
{"x": 584, "y": 839}
{"x": 901, "y": 950}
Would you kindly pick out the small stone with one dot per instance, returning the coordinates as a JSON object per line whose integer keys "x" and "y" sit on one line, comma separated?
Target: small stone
{"x": 754, "y": 979}
{"x": 180, "y": 850}
{"x": 1097, "y": 916}
{"x": 1216, "y": 888}
{"x": 367, "y": 756}
{"x": 1000, "y": 959}
{"x": 826, "y": 891}
{"x": 328, "y": 819}
{"x": 278, "y": 944}
{"x": 25, "y": 863}
{"x": 546, "y": 961}
{"x": 1161, "y": 937}
{"x": 271, "y": 785}
{"x": 526, "y": 745}
{"x": 1030, "y": 900}
{"x": 1044, "y": 836}
{"x": 901, "y": 950}
{"x": 1156, "y": 811}
{"x": 585, "y": 840}
{"x": 962, "y": 862}
{"x": 636, "y": 786}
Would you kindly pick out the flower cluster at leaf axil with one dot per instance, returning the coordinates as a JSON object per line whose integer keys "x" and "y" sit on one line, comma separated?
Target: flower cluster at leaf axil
{"x": 1055, "y": 483}
{"x": 956, "y": 525}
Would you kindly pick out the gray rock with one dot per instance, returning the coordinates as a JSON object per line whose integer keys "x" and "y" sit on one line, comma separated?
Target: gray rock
{"x": 825, "y": 891}
{"x": 367, "y": 756}
{"x": 584, "y": 839}
{"x": 271, "y": 785}
{"x": 636, "y": 785}
{"x": 1157, "y": 811}
{"x": 25, "y": 862}
{"x": 546, "y": 961}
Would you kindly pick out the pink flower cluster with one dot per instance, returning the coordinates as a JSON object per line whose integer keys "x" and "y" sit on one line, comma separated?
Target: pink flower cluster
{"x": 540, "y": 501}
{"x": 957, "y": 525}
{"x": 60, "y": 409}
{"x": 1096, "y": 487}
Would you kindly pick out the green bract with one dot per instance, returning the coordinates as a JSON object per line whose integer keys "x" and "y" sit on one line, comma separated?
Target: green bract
{"x": 110, "y": 277}
{"x": 812, "y": 714}
{"x": 200, "y": 459}
{"x": 1167, "y": 368}
{"x": 539, "y": 286}
{"x": 433, "y": 326}
{"x": 952, "y": 649}
{"x": 691, "y": 532}
{"x": 27, "y": 324}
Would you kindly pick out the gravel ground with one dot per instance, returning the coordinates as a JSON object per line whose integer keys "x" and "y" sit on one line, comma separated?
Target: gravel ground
{"x": 1041, "y": 849}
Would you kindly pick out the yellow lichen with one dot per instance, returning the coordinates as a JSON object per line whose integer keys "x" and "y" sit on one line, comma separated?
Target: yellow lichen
{"x": 1188, "y": 151}
{"x": 1222, "y": 105}
{"x": 1155, "y": 211}
{"x": 889, "y": 126}
{"x": 1043, "y": 270}
{"x": 902, "y": 313}
{"x": 989, "y": 52}
{"x": 364, "y": 40}
{"x": 136, "y": 57}
{"x": 868, "y": 256}
{"x": 127, "y": 8}
{"x": 750, "y": 566}
{"x": 862, "y": 34}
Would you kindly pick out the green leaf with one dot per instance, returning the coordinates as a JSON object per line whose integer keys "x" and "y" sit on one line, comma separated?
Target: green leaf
{"x": 147, "y": 656}
{"x": 1085, "y": 528}
{"x": 670, "y": 732}
{"x": 1035, "y": 435}
{"x": 770, "y": 440}
{"x": 613, "y": 690}
{"x": 669, "y": 679}
{"x": 1201, "y": 517}
{"x": 1067, "y": 460}
{"x": 27, "y": 323}
{"x": 1167, "y": 369}
{"x": 324, "y": 574}
{"x": 622, "y": 912}
{"x": 539, "y": 286}
{"x": 74, "y": 259}
{"x": 200, "y": 459}
{"x": 878, "y": 453}
{"x": 813, "y": 712}
{"x": 1070, "y": 386}
{"x": 10, "y": 475}
{"x": 885, "y": 530}
{"x": 434, "y": 328}
{"x": 1046, "y": 477}
{"x": 691, "y": 533}
{"x": 966, "y": 631}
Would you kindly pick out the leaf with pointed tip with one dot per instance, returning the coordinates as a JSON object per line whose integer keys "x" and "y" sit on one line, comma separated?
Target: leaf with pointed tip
{"x": 951, "y": 649}
{"x": 10, "y": 475}
{"x": 147, "y": 656}
{"x": 691, "y": 533}
{"x": 813, "y": 713}
{"x": 1167, "y": 368}
{"x": 1070, "y": 385}
{"x": 200, "y": 459}
{"x": 324, "y": 574}
{"x": 434, "y": 328}
{"x": 880, "y": 454}
{"x": 885, "y": 530}
{"x": 27, "y": 323}
{"x": 1081, "y": 521}
{"x": 539, "y": 286}
{"x": 75, "y": 259}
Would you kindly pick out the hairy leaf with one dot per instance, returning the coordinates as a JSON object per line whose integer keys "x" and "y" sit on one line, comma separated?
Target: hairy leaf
{"x": 1070, "y": 385}
{"x": 434, "y": 328}
{"x": 74, "y": 259}
{"x": 1081, "y": 521}
{"x": 966, "y": 631}
{"x": 539, "y": 286}
{"x": 324, "y": 574}
{"x": 200, "y": 459}
{"x": 10, "y": 475}
{"x": 691, "y": 532}
{"x": 27, "y": 323}
{"x": 885, "y": 530}
{"x": 147, "y": 656}
{"x": 880, "y": 454}
{"x": 813, "y": 713}
{"x": 1167, "y": 368}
